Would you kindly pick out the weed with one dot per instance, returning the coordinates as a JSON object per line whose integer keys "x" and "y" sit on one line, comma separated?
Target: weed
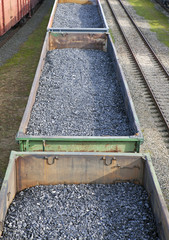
{"x": 16, "y": 77}
{"x": 159, "y": 23}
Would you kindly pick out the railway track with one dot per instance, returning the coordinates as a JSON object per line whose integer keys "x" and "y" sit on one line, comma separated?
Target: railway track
{"x": 150, "y": 72}
{"x": 165, "y": 6}
{"x": 10, "y": 33}
{"x": 5, "y": 38}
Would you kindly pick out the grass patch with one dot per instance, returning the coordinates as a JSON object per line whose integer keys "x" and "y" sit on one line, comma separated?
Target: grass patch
{"x": 159, "y": 23}
{"x": 16, "y": 77}
{"x": 111, "y": 34}
{"x": 29, "y": 52}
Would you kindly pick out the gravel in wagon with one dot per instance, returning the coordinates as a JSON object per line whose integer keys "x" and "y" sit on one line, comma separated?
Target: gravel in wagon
{"x": 72, "y": 15}
{"x": 85, "y": 211}
{"x": 78, "y": 95}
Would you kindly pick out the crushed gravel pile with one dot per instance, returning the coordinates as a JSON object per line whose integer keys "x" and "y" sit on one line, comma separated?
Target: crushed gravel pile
{"x": 72, "y": 15}
{"x": 78, "y": 95}
{"x": 95, "y": 212}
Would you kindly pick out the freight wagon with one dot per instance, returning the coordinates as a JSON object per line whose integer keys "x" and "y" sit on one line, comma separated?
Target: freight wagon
{"x": 74, "y": 19}
{"x": 26, "y": 170}
{"x": 12, "y": 11}
{"x": 76, "y": 143}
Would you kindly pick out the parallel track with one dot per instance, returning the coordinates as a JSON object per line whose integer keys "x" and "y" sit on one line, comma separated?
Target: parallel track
{"x": 10, "y": 33}
{"x": 156, "y": 79}
{"x": 162, "y": 5}
{"x": 5, "y": 38}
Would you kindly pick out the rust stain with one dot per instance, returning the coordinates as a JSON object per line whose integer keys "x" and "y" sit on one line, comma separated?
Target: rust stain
{"x": 114, "y": 149}
{"x": 86, "y": 41}
{"x": 19, "y": 161}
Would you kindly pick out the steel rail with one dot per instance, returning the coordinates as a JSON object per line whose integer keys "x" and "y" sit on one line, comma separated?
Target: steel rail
{"x": 162, "y": 5}
{"x": 166, "y": 121}
{"x": 5, "y": 38}
{"x": 145, "y": 40}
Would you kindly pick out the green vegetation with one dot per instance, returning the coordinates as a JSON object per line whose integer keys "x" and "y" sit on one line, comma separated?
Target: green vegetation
{"x": 29, "y": 53}
{"x": 16, "y": 77}
{"x": 111, "y": 34}
{"x": 159, "y": 23}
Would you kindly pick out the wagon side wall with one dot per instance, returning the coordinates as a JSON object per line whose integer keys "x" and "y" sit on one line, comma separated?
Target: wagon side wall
{"x": 53, "y": 41}
{"x": 1, "y": 18}
{"x": 30, "y": 169}
{"x": 98, "y": 41}
{"x": 8, "y": 190}
{"x": 157, "y": 200}
{"x": 105, "y": 27}
{"x": 34, "y": 88}
{"x": 6, "y": 15}
{"x": 129, "y": 106}
{"x": 12, "y": 11}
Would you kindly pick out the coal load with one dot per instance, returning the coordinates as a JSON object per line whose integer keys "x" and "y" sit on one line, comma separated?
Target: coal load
{"x": 93, "y": 212}
{"x": 72, "y": 15}
{"x": 78, "y": 95}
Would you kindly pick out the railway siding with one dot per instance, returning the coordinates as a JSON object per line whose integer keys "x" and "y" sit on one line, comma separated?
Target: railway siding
{"x": 154, "y": 132}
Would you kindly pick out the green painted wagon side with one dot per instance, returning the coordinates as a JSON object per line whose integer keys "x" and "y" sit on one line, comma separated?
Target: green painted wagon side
{"x": 100, "y": 41}
{"x": 80, "y": 145}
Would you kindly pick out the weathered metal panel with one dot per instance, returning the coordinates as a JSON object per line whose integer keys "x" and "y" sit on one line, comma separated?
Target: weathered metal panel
{"x": 129, "y": 106}
{"x": 1, "y": 17}
{"x": 29, "y": 169}
{"x": 100, "y": 12}
{"x": 156, "y": 198}
{"x": 78, "y": 40}
{"x": 6, "y": 14}
{"x": 12, "y": 11}
{"x": 24, "y": 7}
{"x": 35, "y": 85}
{"x": 8, "y": 190}
{"x": 47, "y": 169}
{"x": 81, "y": 144}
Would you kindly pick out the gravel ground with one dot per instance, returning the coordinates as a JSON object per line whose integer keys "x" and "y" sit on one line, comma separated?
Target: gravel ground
{"x": 72, "y": 15}
{"x": 153, "y": 139}
{"x": 93, "y": 212}
{"x": 78, "y": 95}
{"x": 12, "y": 46}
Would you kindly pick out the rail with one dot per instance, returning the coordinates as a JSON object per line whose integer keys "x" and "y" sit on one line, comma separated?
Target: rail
{"x": 144, "y": 77}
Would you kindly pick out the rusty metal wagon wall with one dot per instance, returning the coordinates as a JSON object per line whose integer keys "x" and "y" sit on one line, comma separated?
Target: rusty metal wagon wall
{"x": 80, "y": 143}
{"x": 30, "y": 169}
{"x": 12, "y": 11}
